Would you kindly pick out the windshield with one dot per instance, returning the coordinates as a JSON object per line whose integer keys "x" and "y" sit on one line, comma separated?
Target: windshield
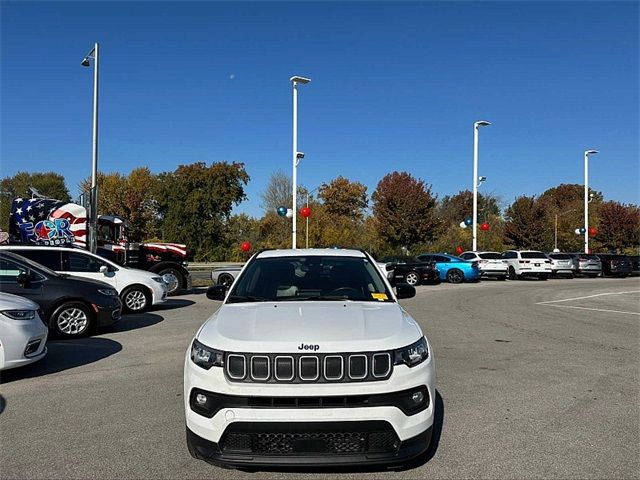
{"x": 532, "y": 255}
{"x": 490, "y": 256}
{"x": 560, "y": 256}
{"x": 30, "y": 264}
{"x": 310, "y": 278}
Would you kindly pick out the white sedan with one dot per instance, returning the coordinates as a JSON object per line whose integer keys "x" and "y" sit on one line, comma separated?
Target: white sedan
{"x": 138, "y": 289}
{"x": 23, "y": 334}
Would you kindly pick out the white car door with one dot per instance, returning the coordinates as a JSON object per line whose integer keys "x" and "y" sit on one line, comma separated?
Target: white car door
{"x": 84, "y": 265}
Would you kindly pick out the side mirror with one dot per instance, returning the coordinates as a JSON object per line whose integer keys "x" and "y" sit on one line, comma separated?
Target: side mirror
{"x": 24, "y": 279}
{"x": 104, "y": 269}
{"x": 404, "y": 290}
{"x": 216, "y": 292}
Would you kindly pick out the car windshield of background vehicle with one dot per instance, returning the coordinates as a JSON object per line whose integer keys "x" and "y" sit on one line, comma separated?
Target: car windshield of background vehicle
{"x": 533, "y": 255}
{"x": 585, "y": 256}
{"x": 310, "y": 278}
{"x": 27, "y": 264}
{"x": 490, "y": 256}
{"x": 560, "y": 256}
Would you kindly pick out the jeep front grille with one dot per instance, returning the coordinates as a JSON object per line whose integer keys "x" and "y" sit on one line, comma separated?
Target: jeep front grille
{"x": 304, "y": 368}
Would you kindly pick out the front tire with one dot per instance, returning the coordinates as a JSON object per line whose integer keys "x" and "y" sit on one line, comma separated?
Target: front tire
{"x": 512, "y": 274}
{"x": 136, "y": 299}
{"x": 455, "y": 276}
{"x": 72, "y": 320}
{"x": 173, "y": 279}
{"x": 225, "y": 279}
{"x": 412, "y": 278}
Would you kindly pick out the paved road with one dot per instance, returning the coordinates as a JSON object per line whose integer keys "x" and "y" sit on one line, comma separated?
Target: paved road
{"x": 528, "y": 389}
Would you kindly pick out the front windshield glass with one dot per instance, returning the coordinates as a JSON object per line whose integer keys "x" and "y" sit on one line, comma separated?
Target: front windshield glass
{"x": 310, "y": 278}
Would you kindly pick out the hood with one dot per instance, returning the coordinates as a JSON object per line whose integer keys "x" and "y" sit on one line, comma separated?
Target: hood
{"x": 14, "y": 302}
{"x": 87, "y": 281}
{"x": 282, "y": 327}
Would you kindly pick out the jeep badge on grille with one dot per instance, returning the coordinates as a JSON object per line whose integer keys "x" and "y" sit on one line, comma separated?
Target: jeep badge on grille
{"x": 304, "y": 346}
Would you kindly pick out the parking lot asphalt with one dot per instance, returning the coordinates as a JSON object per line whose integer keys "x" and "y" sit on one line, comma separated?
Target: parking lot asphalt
{"x": 537, "y": 379}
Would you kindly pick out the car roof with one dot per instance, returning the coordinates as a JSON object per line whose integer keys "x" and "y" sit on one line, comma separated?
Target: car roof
{"x": 306, "y": 252}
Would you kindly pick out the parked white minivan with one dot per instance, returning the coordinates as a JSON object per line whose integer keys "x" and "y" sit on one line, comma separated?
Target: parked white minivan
{"x": 138, "y": 289}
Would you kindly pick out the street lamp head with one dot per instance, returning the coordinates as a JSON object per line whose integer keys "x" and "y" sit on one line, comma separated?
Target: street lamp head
{"x": 482, "y": 123}
{"x": 301, "y": 80}
{"x": 85, "y": 62}
{"x": 299, "y": 155}
{"x": 590, "y": 152}
{"x": 482, "y": 179}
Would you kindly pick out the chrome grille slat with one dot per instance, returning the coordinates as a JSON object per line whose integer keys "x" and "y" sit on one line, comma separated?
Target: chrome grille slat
{"x": 320, "y": 368}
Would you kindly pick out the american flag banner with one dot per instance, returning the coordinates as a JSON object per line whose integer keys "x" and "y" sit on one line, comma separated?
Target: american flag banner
{"x": 48, "y": 222}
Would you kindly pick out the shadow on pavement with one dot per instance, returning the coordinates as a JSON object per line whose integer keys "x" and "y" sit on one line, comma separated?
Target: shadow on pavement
{"x": 172, "y": 303}
{"x": 438, "y": 423}
{"x": 3, "y": 403}
{"x": 130, "y": 322}
{"x": 63, "y": 355}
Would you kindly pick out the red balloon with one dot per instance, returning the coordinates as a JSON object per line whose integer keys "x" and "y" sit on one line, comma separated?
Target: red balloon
{"x": 305, "y": 212}
{"x": 245, "y": 247}
{"x": 593, "y": 231}
{"x": 459, "y": 250}
{"x": 484, "y": 227}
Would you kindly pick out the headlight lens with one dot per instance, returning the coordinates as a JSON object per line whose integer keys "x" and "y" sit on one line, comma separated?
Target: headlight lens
{"x": 412, "y": 355}
{"x": 20, "y": 314}
{"x": 158, "y": 279}
{"x": 204, "y": 356}
{"x": 109, "y": 292}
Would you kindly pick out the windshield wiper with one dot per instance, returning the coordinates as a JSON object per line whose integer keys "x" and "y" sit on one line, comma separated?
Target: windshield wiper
{"x": 246, "y": 298}
{"x": 333, "y": 298}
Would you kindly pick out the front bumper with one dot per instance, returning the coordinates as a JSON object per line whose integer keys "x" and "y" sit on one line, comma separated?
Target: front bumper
{"x": 108, "y": 314}
{"x": 368, "y": 447}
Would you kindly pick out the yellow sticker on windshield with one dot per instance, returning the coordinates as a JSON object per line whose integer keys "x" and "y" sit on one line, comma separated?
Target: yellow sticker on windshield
{"x": 380, "y": 296}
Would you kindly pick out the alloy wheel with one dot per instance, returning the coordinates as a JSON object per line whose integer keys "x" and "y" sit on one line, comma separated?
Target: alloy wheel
{"x": 72, "y": 321}
{"x": 135, "y": 300}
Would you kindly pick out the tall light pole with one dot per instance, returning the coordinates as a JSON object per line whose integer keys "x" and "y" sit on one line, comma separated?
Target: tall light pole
{"x": 586, "y": 198}
{"x": 297, "y": 156}
{"x": 93, "y": 195}
{"x": 476, "y": 179}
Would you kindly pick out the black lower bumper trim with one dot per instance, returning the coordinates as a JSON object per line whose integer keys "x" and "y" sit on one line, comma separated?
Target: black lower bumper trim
{"x": 210, "y": 452}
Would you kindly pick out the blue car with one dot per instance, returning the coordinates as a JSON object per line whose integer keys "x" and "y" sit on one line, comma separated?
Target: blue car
{"x": 452, "y": 269}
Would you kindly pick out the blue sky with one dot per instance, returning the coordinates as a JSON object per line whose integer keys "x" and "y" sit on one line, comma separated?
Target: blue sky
{"x": 395, "y": 86}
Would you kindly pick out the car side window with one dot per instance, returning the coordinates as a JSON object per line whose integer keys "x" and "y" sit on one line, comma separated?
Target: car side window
{"x": 77, "y": 262}
{"x": 9, "y": 271}
{"x": 49, "y": 258}
{"x": 467, "y": 256}
{"x": 440, "y": 259}
{"x": 424, "y": 258}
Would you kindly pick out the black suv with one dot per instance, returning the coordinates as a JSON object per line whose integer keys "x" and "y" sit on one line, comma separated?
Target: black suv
{"x": 72, "y": 306}
{"x": 615, "y": 265}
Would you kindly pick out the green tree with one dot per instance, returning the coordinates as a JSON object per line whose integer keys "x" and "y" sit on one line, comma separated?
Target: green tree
{"x": 456, "y": 208}
{"x": 130, "y": 197}
{"x": 48, "y": 184}
{"x": 405, "y": 210}
{"x": 194, "y": 203}
{"x": 241, "y": 228}
{"x": 526, "y": 225}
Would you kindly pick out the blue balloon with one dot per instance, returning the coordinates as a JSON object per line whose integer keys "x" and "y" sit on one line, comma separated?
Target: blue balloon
{"x": 282, "y": 211}
{"x": 468, "y": 222}
{"x": 582, "y": 230}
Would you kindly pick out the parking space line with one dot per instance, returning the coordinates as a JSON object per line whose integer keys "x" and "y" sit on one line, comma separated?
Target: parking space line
{"x": 587, "y": 308}
{"x": 588, "y": 296}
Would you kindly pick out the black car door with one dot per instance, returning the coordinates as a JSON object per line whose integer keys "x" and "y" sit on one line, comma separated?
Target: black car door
{"x": 9, "y": 271}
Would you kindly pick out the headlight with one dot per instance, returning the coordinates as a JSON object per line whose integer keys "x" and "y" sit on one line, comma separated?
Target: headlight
{"x": 158, "y": 279}
{"x": 412, "y": 355}
{"x": 20, "y": 314}
{"x": 204, "y": 356}
{"x": 109, "y": 292}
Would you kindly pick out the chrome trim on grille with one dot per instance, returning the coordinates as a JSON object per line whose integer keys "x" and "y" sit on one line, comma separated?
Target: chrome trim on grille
{"x": 373, "y": 367}
{"x": 365, "y": 367}
{"x": 293, "y": 369}
{"x": 324, "y": 367}
{"x": 317, "y": 360}
{"x": 253, "y": 377}
{"x": 244, "y": 365}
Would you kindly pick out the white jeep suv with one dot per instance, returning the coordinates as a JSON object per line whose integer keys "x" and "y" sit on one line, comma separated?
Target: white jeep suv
{"x": 522, "y": 263}
{"x": 490, "y": 264}
{"x": 309, "y": 361}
